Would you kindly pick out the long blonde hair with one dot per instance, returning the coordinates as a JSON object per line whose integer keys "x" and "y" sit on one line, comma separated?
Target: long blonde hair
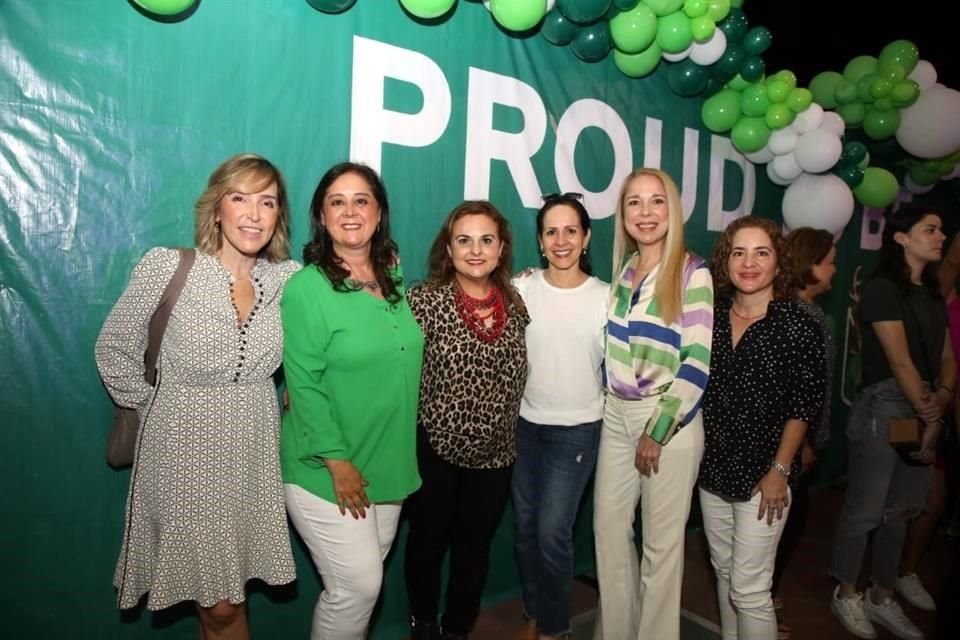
{"x": 668, "y": 292}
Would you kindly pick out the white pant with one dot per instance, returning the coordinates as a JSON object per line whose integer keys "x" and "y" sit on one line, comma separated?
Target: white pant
{"x": 641, "y": 599}
{"x": 349, "y": 556}
{"x": 743, "y": 550}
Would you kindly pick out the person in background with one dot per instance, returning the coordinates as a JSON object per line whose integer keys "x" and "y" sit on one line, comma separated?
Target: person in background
{"x": 474, "y": 370}
{"x": 908, "y": 372}
{"x": 659, "y": 323}
{"x": 348, "y": 439}
{"x": 558, "y": 432}
{"x": 766, "y": 386}
{"x": 814, "y": 255}
{"x": 205, "y": 505}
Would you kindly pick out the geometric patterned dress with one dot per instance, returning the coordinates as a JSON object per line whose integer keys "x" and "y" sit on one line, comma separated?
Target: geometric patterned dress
{"x": 205, "y": 509}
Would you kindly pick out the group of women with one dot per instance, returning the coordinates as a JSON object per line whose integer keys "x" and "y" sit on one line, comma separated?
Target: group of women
{"x": 442, "y": 401}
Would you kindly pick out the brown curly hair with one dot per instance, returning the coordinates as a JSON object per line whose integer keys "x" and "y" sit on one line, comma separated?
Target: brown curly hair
{"x": 440, "y": 269}
{"x": 784, "y": 283}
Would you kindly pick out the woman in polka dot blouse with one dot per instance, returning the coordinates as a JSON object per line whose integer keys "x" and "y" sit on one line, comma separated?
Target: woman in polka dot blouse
{"x": 766, "y": 386}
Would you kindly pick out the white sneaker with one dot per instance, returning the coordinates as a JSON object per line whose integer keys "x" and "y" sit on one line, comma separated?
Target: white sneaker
{"x": 890, "y": 615}
{"x": 910, "y": 587}
{"x": 852, "y": 615}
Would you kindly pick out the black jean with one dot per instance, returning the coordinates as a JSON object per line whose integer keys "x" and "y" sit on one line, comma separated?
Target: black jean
{"x": 457, "y": 509}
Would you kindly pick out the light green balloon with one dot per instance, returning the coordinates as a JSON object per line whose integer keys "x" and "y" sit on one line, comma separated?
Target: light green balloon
{"x": 859, "y": 67}
{"x": 750, "y": 134}
{"x": 901, "y": 52}
{"x": 846, "y": 92}
{"x": 637, "y": 65}
{"x": 799, "y": 99}
{"x": 721, "y": 111}
{"x": 165, "y": 7}
{"x": 673, "y": 32}
{"x": 695, "y": 8}
{"x": 880, "y": 88}
{"x": 736, "y": 4}
{"x": 718, "y": 9}
{"x": 863, "y": 164}
{"x": 787, "y": 77}
{"x": 514, "y": 15}
{"x": 664, "y": 7}
{"x": 823, "y": 85}
{"x": 878, "y": 189}
{"x": 633, "y": 31}
{"x": 881, "y": 125}
{"x": 904, "y": 93}
{"x": 754, "y": 101}
{"x": 777, "y": 90}
{"x": 892, "y": 71}
{"x": 852, "y": 113}
{"x": 778, "y": 116}
{"x": 430, "y": 9}
{"x": 702, "y": 28}
{"x": 739, "y": 83}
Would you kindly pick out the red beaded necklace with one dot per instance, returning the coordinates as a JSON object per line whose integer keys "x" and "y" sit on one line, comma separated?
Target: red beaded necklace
{"x": 471, "y": 311}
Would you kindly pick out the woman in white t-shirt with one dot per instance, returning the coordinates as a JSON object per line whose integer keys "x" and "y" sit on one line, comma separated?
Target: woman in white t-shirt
{"x": 558, "y": 432}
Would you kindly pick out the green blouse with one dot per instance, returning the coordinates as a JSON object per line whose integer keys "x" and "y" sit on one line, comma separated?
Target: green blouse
{"x": 352, "y": 366}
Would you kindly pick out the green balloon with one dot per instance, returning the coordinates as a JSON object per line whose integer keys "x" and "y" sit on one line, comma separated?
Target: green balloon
{"x": 859, "y": 67}
{"x": 582, "y": 11}
{"x": 881, "y": 125}
{"x": 757, "y": 40}
{"x": 625, "y": 5}
{"x": 779, "y": 116}
{"x": 851, "y": 174}
{"x": 901, "y": 52}
{"x": 846, "y": 92}
{"x": 754, "y": 101}
{"x": 673, "y": 32}
{"x": 777, "y": 90}
{"x": 702, "y": 28}
{"x": 853, "y": 153}
{"x": 863, "y": 87}
{"x": 752, "y": 68}
{"x": 852, "y": 113}
{"x": 731, "y": 60}
{"x": 739, "y": 83}
{"x": 878, "y": 189}
{"x": 736, "y": 3}
{"x": 719, "y": 9}
{"x": 721, "y": 111}
{"x": 863, "y": 164}
{"x": 750, "y": 134}
{"x": 664, "y": 7}
{"x": 880, "y": 88}
{"x": 515, "y": 15}
{"x": 904, "y": 93}
{"x": 883, "y": 104}
{"x": 786, "y": 76}
{"x": 175, "y": 7}
{"x": 637, "y": 65}
{"x": 799, "y": 99}
{"x": 430, "y": 9}
{"x": 923, "y": 177}
{"x": 892, "y": 71}
{"x": 734, "y": 27}
{"x": 823, "y": 85}
{"x": 687, "y": 78}
{"x": 592, "y": 42}
{"x": 695, "y": 8}
{"x": 633, "y": 31}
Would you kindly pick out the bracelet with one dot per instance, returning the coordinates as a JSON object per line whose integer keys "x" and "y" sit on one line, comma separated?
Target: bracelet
{"x": 782, "y": 470}
{"x": 945, "y": 388}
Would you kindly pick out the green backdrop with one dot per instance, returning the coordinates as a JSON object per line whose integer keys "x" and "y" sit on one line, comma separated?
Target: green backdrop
{"x": 110, "y": 124}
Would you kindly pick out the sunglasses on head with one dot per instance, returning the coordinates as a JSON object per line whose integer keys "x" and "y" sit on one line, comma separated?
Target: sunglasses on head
{"x": 569, "y": 195}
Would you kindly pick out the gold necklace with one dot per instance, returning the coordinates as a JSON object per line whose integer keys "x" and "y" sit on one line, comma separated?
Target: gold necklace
{"x": 742, "y": 317}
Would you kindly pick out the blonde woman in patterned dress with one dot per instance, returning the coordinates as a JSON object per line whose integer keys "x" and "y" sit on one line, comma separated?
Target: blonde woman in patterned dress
{"x": 205, "y": 507}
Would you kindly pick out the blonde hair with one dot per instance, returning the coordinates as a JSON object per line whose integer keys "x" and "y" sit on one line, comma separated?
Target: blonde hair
{"x": 668, "y": 292}
{"x": 246, "y": 172}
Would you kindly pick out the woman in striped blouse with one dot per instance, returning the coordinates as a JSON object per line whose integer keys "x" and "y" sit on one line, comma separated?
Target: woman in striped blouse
{"x": 659, "y": 331}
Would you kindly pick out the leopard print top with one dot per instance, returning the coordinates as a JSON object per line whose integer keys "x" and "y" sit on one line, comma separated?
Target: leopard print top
{"x": 470, "y": 391}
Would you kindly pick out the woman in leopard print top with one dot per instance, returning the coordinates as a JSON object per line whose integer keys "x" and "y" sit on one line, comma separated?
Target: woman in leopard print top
{"x": 474, "y": 370}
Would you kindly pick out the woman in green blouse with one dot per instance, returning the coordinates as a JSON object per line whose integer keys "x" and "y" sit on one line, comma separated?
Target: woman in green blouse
{"x": 347, "y": 447}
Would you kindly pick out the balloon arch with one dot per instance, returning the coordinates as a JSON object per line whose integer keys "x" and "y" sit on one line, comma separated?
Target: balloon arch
{"x": 711, "y": 51}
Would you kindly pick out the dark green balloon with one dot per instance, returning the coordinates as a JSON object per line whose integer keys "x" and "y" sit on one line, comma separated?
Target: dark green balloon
{"x": 331, "y": 6}
{"x": 757, "y": 40}
{"x": 687, "y": 78}
{"x": 583, "y": 11}
{"x": 853, "y": 153}
{"x": 731, "y": 60}
{"x": 734, "y": 26}
{"x": 592, "y": 42}
{"x": 851, "y": 174}
{"x": 557, "y": 29}
{"x": 625, "y": 5}
{"x": 752, "y": 68}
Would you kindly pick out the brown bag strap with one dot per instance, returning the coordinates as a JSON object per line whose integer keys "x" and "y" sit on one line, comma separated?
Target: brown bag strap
{"x": 160, "y": 317}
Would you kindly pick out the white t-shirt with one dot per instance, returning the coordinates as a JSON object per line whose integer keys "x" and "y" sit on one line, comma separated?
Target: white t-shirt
{"x": 564, "y": 350}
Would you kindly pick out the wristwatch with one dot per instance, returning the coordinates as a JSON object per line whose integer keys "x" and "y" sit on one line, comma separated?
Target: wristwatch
{"x": 784, "y": 471}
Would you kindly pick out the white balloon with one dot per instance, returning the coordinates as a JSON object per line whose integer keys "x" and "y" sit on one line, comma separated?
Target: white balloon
{"x": 924, "y": 74}
{"x": 550, "y": 4}
{"x": 818, "y": 201}
{"x": 786, "y": 167}
{"x": 818, "y": 150}
{"x": 833, "y": 123}
{"x": 677, "y": 57}
{"x": 763, "y": 156}
{"x": 930, "y": 127}
{"x": 808, "y": 119}
{"x": 774, "y": 178}
{"x": 783, "y": 141}
{"x": 708, "y": 52}
{"x": 913, "y": 187}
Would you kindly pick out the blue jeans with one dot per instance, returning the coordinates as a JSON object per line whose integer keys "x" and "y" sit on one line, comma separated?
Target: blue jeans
{"x": 553, "y": 466}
